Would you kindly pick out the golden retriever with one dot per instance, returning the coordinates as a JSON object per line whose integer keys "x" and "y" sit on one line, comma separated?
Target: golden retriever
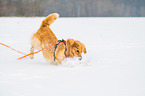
{"x": 55, "y": 54}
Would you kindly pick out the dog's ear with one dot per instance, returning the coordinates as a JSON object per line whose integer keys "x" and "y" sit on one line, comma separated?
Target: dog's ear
{"x": 77, "y": 44}
{"x": 84, "y": 49}
{"x": 69, "y": 44}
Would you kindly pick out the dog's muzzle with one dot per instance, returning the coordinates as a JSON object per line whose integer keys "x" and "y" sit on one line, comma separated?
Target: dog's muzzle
{"x": 80, "y": 58}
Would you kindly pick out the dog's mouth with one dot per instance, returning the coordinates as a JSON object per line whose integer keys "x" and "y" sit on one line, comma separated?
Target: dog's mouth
{"x": 80, "y": 57}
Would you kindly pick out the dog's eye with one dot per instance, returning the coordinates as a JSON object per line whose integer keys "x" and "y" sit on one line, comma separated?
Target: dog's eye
{"x": 78, "y": 51}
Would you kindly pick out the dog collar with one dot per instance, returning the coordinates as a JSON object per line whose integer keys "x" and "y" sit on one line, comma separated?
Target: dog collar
{"x": 59, "y": 41}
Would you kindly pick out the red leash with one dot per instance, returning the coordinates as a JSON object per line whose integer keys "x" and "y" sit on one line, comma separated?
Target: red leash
{"x": 25, "y": 55}
{"x": 37, "y": 51}
{"x": 12, "y": 48}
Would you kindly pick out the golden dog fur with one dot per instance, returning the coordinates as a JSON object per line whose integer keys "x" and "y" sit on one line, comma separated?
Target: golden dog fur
{"x": 45, "y": 37}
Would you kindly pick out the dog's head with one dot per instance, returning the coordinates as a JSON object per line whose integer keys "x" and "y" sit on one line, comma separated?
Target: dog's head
{"x": 75, "y": 48}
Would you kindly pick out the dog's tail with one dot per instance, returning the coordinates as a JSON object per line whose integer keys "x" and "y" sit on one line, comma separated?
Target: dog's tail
{"x": 49, "y": 20}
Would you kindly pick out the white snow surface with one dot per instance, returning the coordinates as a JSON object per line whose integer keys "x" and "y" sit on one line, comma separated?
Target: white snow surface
{"x": 113, "y": 66}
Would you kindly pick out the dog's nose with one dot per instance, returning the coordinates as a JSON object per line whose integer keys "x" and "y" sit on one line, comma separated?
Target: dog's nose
{"x": 80, "y": 58}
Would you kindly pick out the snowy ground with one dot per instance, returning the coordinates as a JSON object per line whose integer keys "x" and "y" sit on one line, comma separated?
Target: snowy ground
{"x": 113, "y": 66}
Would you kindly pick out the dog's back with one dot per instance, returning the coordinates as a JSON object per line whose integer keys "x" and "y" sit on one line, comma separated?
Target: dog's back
{"x": 44, "y": 36}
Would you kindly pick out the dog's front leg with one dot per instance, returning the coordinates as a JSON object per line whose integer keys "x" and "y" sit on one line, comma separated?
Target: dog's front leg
{"x": 31, "y": 51}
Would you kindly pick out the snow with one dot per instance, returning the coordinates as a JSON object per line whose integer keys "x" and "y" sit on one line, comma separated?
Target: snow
{"x": 113, "y": 66}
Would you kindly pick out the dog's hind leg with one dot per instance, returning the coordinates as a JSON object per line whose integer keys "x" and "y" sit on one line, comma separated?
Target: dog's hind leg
{"x": 31, "y": 51}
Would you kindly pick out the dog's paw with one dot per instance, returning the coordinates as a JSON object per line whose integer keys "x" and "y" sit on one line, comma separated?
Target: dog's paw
{"x": 31, "y": 56}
